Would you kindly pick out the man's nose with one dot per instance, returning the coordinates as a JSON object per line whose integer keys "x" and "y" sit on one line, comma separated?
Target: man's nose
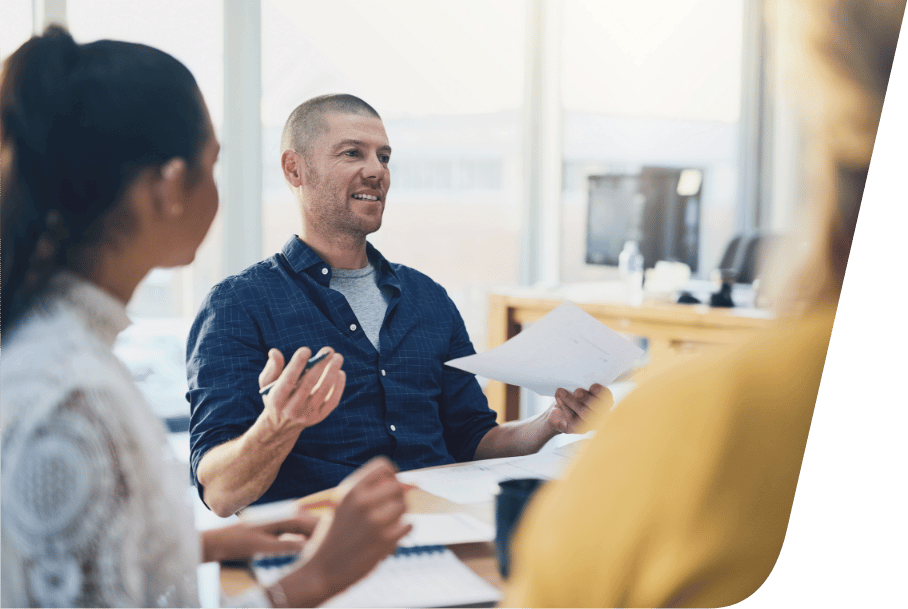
{"x": 375, "y": 169}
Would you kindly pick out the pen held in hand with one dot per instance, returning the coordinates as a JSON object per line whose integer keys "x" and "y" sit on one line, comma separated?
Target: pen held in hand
{"x": 309, "y": 364}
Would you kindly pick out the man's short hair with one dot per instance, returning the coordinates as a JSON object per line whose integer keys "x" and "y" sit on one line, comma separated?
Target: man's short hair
{"x": 305, "y": 123}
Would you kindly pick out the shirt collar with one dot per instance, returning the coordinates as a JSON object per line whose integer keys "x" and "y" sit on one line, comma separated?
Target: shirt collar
{"x": 303, "y": 259}
{"x": 105, "y": 315}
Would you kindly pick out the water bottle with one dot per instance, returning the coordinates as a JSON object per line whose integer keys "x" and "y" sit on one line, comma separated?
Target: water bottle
{"x": 630, "y": 269}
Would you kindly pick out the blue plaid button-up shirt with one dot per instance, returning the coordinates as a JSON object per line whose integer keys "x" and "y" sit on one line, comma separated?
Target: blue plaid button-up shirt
{"x": 402, "y": 402}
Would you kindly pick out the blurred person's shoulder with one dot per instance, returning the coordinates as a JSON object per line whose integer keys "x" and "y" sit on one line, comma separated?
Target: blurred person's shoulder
{"x": 775, "y": 375}
{"x": 45, "y": 338}
{"x": 786, "y": 359}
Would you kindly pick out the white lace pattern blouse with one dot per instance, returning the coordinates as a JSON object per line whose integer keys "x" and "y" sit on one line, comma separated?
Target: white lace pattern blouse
{"x": 94, "y": 504}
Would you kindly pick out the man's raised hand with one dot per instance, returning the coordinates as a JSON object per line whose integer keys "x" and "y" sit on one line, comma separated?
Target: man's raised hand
{"x": 300, "y": 399}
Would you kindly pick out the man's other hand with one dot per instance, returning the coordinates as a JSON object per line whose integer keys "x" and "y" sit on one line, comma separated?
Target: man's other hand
{"x": 572, "y": 410}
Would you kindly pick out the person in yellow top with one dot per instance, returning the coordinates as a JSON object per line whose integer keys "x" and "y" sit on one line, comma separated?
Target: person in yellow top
{"x": 683, "y": 496}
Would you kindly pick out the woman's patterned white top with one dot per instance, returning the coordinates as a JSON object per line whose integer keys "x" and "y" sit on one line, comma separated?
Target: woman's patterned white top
{"x": 95, "y": 510}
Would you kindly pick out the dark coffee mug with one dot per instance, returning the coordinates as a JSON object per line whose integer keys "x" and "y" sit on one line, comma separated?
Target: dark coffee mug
{"x": 513, "y": 497}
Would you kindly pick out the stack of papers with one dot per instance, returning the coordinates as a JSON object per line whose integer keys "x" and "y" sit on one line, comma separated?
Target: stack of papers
{"x": 567, "y": 348}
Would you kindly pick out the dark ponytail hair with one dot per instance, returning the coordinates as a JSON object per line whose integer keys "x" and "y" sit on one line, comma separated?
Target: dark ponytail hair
{"x": 77, "y": 125}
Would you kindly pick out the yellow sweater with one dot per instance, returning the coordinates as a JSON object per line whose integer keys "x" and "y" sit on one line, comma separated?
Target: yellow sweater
{"x": 682, "y": 498}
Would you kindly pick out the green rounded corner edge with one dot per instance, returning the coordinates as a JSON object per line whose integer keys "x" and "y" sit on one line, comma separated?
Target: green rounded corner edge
{"x": 847, "y": 539}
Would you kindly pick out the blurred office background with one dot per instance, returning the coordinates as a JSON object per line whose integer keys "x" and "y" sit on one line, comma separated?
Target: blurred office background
{"x": 499, "y": 112}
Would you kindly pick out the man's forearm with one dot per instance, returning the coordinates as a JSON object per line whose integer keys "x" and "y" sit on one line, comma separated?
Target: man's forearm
{"x": 238, "y": 472}
{"x": 515, "y": 438}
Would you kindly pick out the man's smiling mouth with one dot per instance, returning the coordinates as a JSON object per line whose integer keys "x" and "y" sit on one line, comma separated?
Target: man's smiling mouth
{"x": 365, "y": 197}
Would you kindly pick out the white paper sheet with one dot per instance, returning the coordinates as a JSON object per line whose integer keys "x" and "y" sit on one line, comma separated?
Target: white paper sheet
{"x": 434, "y": 579}
{"x": 477, "y": 481}
{"x": 567, "y": 348}
{"x": 445, "y": 530}
{"x": 424, "y": 576}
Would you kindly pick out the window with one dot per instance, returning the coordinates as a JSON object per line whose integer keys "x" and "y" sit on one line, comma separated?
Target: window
{"x": 165, "y": 303}
{"x": 191, "y": 32}
{"x": 15, "y": 27}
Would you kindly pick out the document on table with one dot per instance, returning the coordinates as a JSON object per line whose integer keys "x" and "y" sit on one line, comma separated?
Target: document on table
{"x": 567, "y": 348}
{"x": 445, "y": 530}
{"x": 422, "y": 576}
{"x": 477, "y": 481}
{"x": 425, "y": 576}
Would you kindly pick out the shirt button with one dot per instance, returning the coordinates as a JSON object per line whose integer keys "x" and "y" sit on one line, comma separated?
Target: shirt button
{"x": 324, "y": 271}
{"x": 383, "y": 373}
{"x": 353, "y": 327}
{"x": 393, "y": 428}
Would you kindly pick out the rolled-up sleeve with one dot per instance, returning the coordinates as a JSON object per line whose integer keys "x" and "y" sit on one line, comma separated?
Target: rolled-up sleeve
{"x": 465, "y": 412}
{"x": 225, "y": 354}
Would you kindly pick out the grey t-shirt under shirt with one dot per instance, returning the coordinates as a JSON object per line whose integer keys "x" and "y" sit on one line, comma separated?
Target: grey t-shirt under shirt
{"x": 369, "y": 303}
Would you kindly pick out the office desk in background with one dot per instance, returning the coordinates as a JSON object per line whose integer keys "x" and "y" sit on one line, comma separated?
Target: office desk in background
{"x": 670, "y": 329}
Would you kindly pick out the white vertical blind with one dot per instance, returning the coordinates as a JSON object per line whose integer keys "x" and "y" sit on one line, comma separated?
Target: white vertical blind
{"x": 47, "y": 12}
{"x": 542, "y": 117}
{"x": 241, "y": 201}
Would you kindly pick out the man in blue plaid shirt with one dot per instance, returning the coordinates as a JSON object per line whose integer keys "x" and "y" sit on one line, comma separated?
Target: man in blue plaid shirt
{"x": 389, "y": 326}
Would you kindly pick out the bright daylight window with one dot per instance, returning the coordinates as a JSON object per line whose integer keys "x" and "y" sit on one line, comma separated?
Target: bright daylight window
{"x": 15, "y": 26}
{"x": 167, "y": 301}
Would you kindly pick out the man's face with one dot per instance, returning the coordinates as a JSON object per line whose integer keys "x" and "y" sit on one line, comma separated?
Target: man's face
{"x": 347, "y": 176}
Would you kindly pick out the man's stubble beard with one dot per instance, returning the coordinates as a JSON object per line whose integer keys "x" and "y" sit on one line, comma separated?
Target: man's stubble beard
{"x": 332, "y": 219}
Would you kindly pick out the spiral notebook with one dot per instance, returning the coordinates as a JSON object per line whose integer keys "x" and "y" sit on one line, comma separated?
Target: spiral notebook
{"x": 421, "y": 576}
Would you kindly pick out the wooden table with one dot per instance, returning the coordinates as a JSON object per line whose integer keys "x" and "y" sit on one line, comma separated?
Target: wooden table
{"x": 671, "y": 329}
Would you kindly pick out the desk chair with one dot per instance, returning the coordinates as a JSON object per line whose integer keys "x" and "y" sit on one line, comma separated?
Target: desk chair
{"x": 745, "y": 255}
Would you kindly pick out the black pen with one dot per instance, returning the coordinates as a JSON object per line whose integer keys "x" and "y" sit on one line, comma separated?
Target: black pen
{"x": 312, "y": 361}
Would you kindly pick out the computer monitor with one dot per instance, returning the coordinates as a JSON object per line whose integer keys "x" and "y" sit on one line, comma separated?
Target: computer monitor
{"x": 659, "y": 207}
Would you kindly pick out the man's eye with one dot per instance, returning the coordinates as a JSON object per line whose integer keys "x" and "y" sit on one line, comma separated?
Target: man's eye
{"x": 384, "y": 158}
{"x": 351, "y": 152}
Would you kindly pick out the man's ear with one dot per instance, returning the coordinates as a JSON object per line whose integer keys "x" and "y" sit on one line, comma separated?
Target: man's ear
{"x": 292, "y": 165}
{"x": 171, "y": 188}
